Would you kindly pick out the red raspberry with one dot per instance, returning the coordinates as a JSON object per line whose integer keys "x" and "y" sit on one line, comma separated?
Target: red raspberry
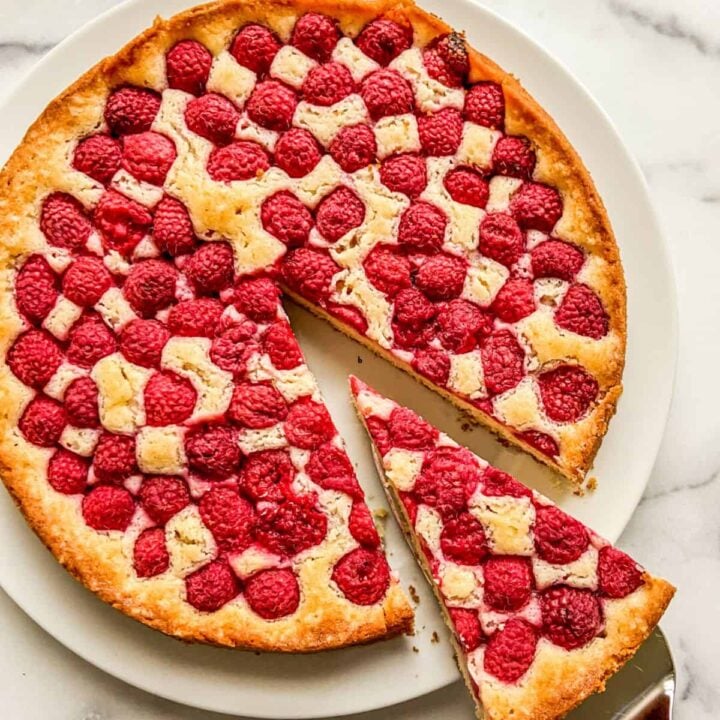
{"x": 559, "y": 538}
{"x": 148, "y": 156}
{"x": 63, "y": 221}
{"x": 229, "y": 517}
{"x": 463, "y": 540}
{"x": 386, "y": 92}
{"x": 150, "y": 556}
{"x": 422, "y": 227}
{"x": 331, "y": 469}
{"x": 286, "y": 218}
{"x": 508, "y": 583}
{"x": 43, "y": 421}
{"x": 163, "y": 496}
{"x": 328, "y": 84}
{"x": 169, "y": 399}
{"x": 188, "y": 66}
{"x": 309, "y": 273}
{"x": 213, "y": 117}
{"x": 67, "y": 472}
{"x": 338, "y": 213}
{"x": 497, "y": 483}
{"x": 433, "y": 364}
{"x": 412, "y": 337}
{"x": 441, "y": 277}
{"x": 258, "y": 298}
{"x": 108, "y": 507}
{"x": 241, "y": 160}
{"x": 257, "y": 406}
{"x": 297, "y": 152}
{"x": 446, "y": 59}
{"x": 461, "y": 325}
{"x": 467, "y": 186}
{"x": 211, "y": 267}
{"x": 511, "y": 651}
{"x": 515, "y": 300}
{"x": 404, "y": 174}
{"x": 536, "y": 207}
{"x": 90, "y": 341}
{"x": 114, "y": 457}
{"x": 255, "y": 47}
{"x": 582, "y": 312}
{"x": 98, "y": 156}
{"x": 379, "y": 433}
{"x": 441, "y": 132}
{"x": 267, "y": 475}
{"x": 142, "y": 342}
{"x": 272, "y": 105}
{"x": 81, "y": 403}
{"x": 354, "y": 147}
{"x": 316, "y": 35}
{"x": 350, "y": 316}
{"x": 448, "y": 479}
{"x": 556, "y": 258}
{"x": 467, "y": 628}
{"x": 501, "y": 239}
{"x": 485, "y": 105}
{"x": 85, "y": 281}
{"x": 172, "y": 228}
{"x": 413, "y": 309}
{"x": 540, "y": 441}
{"x": 571, "y": 617}
{"x": 514, "y": 156}
{"x": 362, "y": 527}
{"x": 131, "y": 110}
{"x": 292, "y": 526}
{"x": 308, "y": 424}
{"x": 273, "y": 594}
{"x": 386, "y": 270}
{"x": 503, "y": 362}
{"x": 618, "y": 574}
{"x": 280, "y": 344}
{"x": 363, "y": 576}
{"x": 232, "y": 349}
{"x": 35, "y": 288}
{"x": 211, "y": 587}
{"x": 34, "y": 357}
{"x": 383, "y": 40}
{"x": 567, "y": 392}
{"x": 409, "y": 431}
{"x": 122, "y": 222}
{"x": 213, "y": 450}
{"x": 150, "y": 286}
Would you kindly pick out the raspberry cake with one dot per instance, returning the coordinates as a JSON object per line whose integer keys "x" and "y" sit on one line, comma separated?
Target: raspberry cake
{"x": 542, "y": 609}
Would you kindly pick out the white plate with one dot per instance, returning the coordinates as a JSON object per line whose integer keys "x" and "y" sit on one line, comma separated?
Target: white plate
{"x": 348, "y": 681}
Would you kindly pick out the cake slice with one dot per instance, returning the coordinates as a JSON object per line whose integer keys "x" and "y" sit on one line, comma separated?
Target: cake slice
{"x": 542, "y": 610}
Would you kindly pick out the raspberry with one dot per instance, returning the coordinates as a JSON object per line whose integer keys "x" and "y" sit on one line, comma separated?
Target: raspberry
{"x": 497, "y": 483}
{"x": 280, "y": 344}
{"x": 331, "y": 469}
{"x": 582, "y": 312}
{"x": 90, "y": 341}
{"x": 257, "y": 406}
{"x": 362, "y": 527}
{"x": 449, "y": 477}
{"x": 501, "y": 239}
{"x": 131, "y": 110}
{"x": 316, "y": 35}
{"x": 232, "y": 349}
{"x": 213, "y": 450}
{"x": 213, "y": 117}
{"x": 286, "y": 218}
{"x": 142, "y": 342}
{"x": 618, "y": 574}
{"x": 515, "y": 300}
{"x": 150, "y": 556}
{"x": 363, "y": 576}
{"x": 292, "y": 526}
{"x": 241, "y": 160}
{"x": 150, "y": 286}
{"x": 556, "y": 258}
{"x": 188, "y": 66}
{"x": 273, "y": 594}
{"x": 404, "y": 174}
{"x": 511, "y": 651}
{"x": 297, "y": 152}
{"x": 441, "y": 277}
{"x": 173, "y": 231}
{"x": 461, "y": 324}
{"x": 386, "y": 92}
{"x": 169, "y": 399}
{"x": 309, "y": 273}
{"x": 350, "y": 316}
{"x": 267, "y": 475}
{"x": 508, "y": 583}
{"x": 163, "y": 496}
{"x": 380, "y": 434}
{"x": 43, "y": 421}
{"x": 467, "y": 186}
{"x": 409, "y": 431}
{"x": 255, "y": 47}
{"x": 422, "y": 227}
{"x": 114, "y": 457}
{"x": 383, "y": 40}
{"x": 536, "y": 207}
{"x": 108, "y": 507}
{"x": 433, "y": 364}
{"x": 122, "y": 222}
{"x": 559, "y": 538}
{"x": 503, "y": 362}
{"x": 211, "y": 587}
{"x": 338, "y": 213}
{"x": 63, "y": 221}
{"x": 81, "y": 403}
{"x": 328, "y": 84}
{"x": 308, "y": 424}
{"x": 463, "y": 540}
{"x": 257, "y": 298}
{"x": 98, "y": 156}
{"x": 467, "y": 628}
{"x": 229, "y": 518}
{"x": 35, "y": 288}
{"x": 567, "y": 392}
{"x": 354, "y": 147}
{"x": 386, "y": 270}
{"x": 196, "y": 318}
{"x": 441, "y": 132}
{"x": 540, "y": 441}
{"x": 148, "y": 156}
{"x": 85, "y": 281}
{"x": 514, "y": 156}
{"x": 571, "y": 617}
{"x": 272, "y": 105}
{"x": 413, "y": 310}
{"x": 211, "y": 267}
{"x": 446, "y": 59}
{"x": 34, "y": 357}
{"x": 485, "y": 105}
{"x": 67, "y": 472}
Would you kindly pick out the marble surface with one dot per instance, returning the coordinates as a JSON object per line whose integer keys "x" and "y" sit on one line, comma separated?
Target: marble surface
{"x": 654, "y": 65}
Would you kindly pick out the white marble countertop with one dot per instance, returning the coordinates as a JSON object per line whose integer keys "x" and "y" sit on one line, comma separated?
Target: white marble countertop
{"x": 654, "y": 65}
